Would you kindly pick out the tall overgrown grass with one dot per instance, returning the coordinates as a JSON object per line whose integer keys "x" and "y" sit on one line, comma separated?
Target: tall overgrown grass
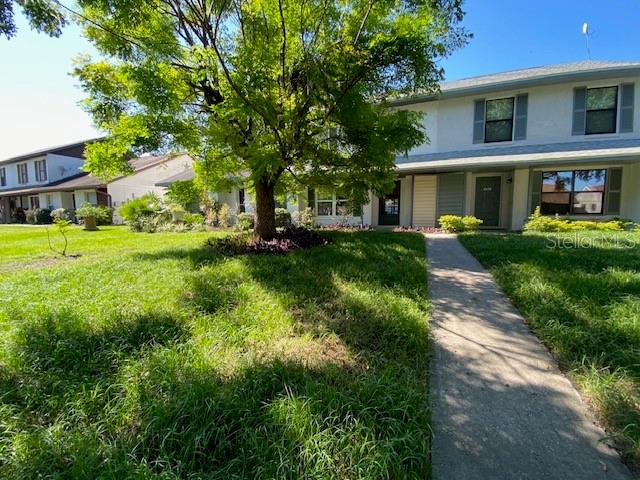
{"x": 156, "y": 358}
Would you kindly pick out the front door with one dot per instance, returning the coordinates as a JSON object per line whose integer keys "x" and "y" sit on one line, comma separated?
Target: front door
{"x": 488, "y": 200}
{"x": 389, "y": 211}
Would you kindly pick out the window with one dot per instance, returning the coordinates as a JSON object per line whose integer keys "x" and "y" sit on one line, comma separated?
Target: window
{"x": 324, "y": 203}
{"x": 3, "y": 177}
{"x": 50, "y": 202}
{"x": 23, "y": 173}
{"x": 34, "y": 202}
{"x": 602, "y": 108}
{"x": 241, "y": 198}
{"x": 41, "y": 170}
{"x": 573, "y": 192}
{"x": 498, "y": 125}
{"x": 330, "y": 204}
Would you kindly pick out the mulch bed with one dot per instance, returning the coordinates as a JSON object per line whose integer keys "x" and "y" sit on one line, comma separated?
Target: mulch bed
{"x": 284, "y": 242}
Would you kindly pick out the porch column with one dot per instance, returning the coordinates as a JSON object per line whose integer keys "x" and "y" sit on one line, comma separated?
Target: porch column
{"x": 520, "y": 210}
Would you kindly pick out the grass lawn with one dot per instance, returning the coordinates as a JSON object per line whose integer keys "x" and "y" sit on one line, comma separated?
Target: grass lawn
{"x": 584, "y": 303}
{"x": 150, "y": 357}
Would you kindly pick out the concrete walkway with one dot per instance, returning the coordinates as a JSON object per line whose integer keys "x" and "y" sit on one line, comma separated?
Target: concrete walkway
{"x": 501, "y": 407}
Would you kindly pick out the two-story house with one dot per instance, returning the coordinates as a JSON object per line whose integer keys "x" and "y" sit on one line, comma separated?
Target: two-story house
{"x": 563, "y": 137}
{"x": 50, "y": 178}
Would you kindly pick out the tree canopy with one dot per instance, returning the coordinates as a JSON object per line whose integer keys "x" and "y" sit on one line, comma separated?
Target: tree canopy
{"x": 264, "y": 91}
{"x": 44, "y": 16}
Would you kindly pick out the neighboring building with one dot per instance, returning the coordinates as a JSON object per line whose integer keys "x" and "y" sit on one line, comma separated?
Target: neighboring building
{"x": 563, "y": 137}
{"x": 150, "y": 174}
{"x": 50, "y": 178}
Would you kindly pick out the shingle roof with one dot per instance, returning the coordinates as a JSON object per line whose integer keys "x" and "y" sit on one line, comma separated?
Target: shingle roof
{"x": 543, "y": 75}
{"x": 76, "y": 182}
{"x": 44, "y": 151}
{"x": 521, "y": 154}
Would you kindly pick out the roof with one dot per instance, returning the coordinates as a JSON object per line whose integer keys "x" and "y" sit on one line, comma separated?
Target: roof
{"x": 522, "y": 155}
{"x": 76, "y": 182}
{"x": 54, "y": 150}
{"x": 186, "y": 175}
{"x": 536, "y": 76}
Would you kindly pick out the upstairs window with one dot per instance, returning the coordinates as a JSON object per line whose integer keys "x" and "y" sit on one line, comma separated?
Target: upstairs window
{"x": 41, "y": 170}
{"x": 498, "y": 126}
{"x": 23, "y": 173}
{"x": 602, "y": 110}
{"x": 3, "y": 177}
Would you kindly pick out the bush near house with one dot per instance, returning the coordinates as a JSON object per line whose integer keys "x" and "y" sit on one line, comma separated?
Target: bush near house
{"x": 456, "y": 224}
{"x": 186, "y": 194}
{"x": 102, "y": 214}
{"x": 283, "y": 218}
{"x": 42, "y": 216}
{"x": 245, "y": 221}
{"x": 62, "y": 214}
{"x": 544, "y": 223}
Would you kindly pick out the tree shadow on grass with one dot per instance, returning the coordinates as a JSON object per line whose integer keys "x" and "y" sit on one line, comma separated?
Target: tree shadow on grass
{"x": 348, "y": 401}
{"x": 55, "y": 357}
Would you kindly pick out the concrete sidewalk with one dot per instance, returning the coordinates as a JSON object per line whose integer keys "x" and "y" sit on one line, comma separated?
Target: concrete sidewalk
{"x": 501, "y": 407}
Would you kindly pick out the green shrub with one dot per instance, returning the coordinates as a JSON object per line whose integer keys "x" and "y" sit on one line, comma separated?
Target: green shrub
{"x": 224, "y": 215}
{"x": 30, "y": 217}
{"x": 283, "y": 218}
{"x": 193, "y": 219}
{"x": 305, "y": 218}
{"x": 146, "y": 205}
{"x": 61, "y": 214}
{"x": 104, "y": 215}
{"x": 471, "y": 223}
{"x": 245, "y": 221}
{"x": 184, "y": 193}
{"x": 451, "y": 223}
{"x": 542, "y": 223}
{"x": 43, "y": 216}
{"x": 455, "y": 223}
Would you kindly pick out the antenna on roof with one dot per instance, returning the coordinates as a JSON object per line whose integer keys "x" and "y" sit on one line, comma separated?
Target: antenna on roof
{"x": 585, "y": 32}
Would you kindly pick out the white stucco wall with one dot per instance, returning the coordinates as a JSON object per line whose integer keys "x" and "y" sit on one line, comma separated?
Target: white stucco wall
{"x": 136, "y": 185}
{"x": 449, "y": 122}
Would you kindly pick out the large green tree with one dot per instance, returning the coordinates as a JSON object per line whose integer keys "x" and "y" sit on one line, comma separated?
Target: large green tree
{"x": 264, "y": 91}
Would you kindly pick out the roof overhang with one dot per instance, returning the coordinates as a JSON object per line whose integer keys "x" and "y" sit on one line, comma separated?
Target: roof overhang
{"x": 620, "y": 155}
{"x": 543, "y": 80}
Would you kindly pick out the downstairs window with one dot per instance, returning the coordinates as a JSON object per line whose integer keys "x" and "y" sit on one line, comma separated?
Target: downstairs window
{"x": 573, "y": 192}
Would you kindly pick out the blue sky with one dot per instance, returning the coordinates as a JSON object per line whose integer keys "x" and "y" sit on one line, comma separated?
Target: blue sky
{"x": 39, "y": 99}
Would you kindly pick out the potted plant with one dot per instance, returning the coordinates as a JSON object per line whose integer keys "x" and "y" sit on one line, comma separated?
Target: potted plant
{"x": 88, "y": 213}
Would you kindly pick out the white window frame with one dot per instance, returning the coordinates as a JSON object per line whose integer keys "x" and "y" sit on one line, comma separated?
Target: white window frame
{"x": 334, "y": 199}
{"x": 3, "y": 177}
{"x": 23, "y": 173}
{"x": 41, "y": 170}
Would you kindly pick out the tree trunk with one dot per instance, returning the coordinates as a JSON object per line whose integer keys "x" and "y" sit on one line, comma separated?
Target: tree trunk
{"x": 265, "y": 210}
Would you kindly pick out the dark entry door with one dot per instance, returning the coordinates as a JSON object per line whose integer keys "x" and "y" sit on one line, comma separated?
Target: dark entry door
{"x": 488, "y": 200}
{"x": 389, "y": 211}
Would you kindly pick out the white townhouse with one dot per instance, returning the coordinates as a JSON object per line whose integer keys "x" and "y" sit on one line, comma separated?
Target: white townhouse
{"x": 562, "y": 137}
{"x": 50, "y": 178}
